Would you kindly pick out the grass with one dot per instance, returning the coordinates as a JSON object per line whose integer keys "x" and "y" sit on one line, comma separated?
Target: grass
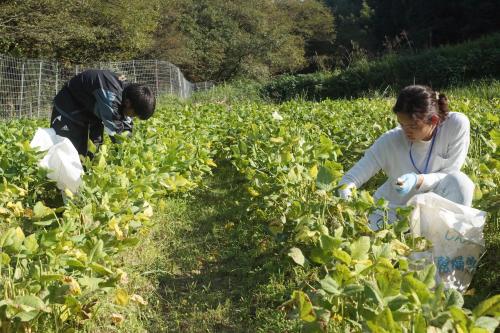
{"x": 486, "y": 280}
{"x": 205, "y": 268}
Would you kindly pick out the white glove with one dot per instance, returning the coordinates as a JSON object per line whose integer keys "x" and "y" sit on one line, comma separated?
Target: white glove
{"x": 345, "y": 191}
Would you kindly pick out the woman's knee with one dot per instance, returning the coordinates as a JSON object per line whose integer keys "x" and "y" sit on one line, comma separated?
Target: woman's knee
{"x": 461, "y": 180}
{"x": 458, "y": 188}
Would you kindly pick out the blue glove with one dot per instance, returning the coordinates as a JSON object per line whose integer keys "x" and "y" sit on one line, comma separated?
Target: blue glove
{"x": 406, "y": 183}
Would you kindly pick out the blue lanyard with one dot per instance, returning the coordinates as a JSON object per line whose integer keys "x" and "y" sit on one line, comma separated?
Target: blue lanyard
{"x": 428, "y": 156}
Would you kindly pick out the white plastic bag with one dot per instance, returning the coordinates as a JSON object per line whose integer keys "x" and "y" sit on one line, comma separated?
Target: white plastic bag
{"x": 456, "y": 233}
{"x": 61, "y": 158}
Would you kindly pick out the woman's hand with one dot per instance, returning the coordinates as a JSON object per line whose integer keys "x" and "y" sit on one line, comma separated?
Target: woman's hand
{"x": 345, "y": 191}
{"x": 406, "y": 183}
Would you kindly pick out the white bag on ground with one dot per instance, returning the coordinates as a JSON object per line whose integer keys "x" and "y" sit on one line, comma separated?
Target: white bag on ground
{"x": 456, "y": 233}
{"x": 61, "y": 158}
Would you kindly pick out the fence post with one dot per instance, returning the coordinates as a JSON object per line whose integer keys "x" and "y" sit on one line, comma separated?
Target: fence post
{"x": 57, "y": 75}
{"x": 156, "y": 78}
{"x": 39, "y": 89}
{"x": 76, "y": 70}
{"x": 170, "y": 76}
{"x": 22, "y": 91}
{"x": 133, "y": 67}
{"x": 179, "y": 80}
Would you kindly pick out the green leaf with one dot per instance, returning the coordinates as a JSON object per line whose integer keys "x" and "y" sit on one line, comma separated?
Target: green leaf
{"x": 342, "y": 256}
{"x": 480, "y": 330}
{"x": 330, "y": 285}
{"x": 428, "y": 275}
{"x": 297, "y": 256}
{"x": 51, "y": 277}
{"x": 492, "y": 117}
{"x": 366, "y": 198}
{"x": 41, "y": 211}
{"x": 488, "y": 307}
{"x": 30, "y": 243}
{"x": 384, "y": 323}
{"x": 328, "y": 243}
{"x": 359, "y": 248}
{"x": 353, "y": 289}
{"x": 412, "y": 285}
{"x": 26, "y": 316}
{"x": 389, "y": 281}
{"x": 488, "y": 323}
{"x": 100, "y": 269}
{"x": 459, "y": 317}
{"x": 90, "y": 283}
{"x": 75, "y": 263}
{"x": 382, "y": 251}
{"x": 495, "y": 136}
{"x": 372, "y": 292}
{"x": 324, "y": 179}
{"x": 4, "y": 259}
{"x": 338, "y": 232}
{"x": 453, "y": 298}
{"x": 396, "y": 302}
{"x": 319, "y": 256}
{"x": 420, "y": 324}
{"x": 30, "y": 303}
{"x": 304, "y": 305}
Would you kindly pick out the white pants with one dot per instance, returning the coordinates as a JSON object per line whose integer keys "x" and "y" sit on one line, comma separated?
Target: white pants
{"x": 456, "y": 187}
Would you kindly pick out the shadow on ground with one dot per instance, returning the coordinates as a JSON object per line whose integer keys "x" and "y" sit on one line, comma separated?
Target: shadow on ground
{"x": 222, "y": 271}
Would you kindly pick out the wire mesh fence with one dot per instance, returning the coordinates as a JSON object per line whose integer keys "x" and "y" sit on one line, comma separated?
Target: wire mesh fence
{"x": 27, "y": 86}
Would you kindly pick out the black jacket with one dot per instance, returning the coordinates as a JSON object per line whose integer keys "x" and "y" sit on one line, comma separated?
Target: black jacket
{"x": 93, "y": 98}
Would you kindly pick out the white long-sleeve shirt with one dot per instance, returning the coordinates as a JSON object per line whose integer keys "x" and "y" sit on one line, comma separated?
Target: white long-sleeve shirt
{"x": 391, "y": 153}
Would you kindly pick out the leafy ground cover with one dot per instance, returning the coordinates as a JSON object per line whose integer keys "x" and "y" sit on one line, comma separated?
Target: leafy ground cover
{"x": 222, "y": 216}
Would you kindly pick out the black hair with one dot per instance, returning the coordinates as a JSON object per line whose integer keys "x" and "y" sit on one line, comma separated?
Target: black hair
{"x": 142, "y": 99}
{"x": 421, "y": 102}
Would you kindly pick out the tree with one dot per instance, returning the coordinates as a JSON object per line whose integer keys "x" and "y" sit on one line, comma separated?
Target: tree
{"x": 314, "y": 23}
{"x": 378, "y": 25}
{"x": 219, "y": 40}
{"x": 76, "y": 31}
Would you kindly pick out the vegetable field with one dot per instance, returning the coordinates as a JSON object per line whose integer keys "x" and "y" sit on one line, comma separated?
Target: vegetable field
{"x": 62, "y": 262}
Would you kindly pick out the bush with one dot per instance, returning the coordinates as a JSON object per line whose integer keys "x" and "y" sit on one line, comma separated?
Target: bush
{"x": 440, "y": 68}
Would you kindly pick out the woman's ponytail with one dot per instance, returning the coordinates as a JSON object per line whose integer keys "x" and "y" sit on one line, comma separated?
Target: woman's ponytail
{"x": 442, "y": 102}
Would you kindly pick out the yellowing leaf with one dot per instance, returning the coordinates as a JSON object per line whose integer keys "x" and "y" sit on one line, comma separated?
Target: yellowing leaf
{"x": 211, "y": 163}
{"x": 113, "y": 224}
{"x": 117, "y": 318}
{"x": 277, "y": 140}
{"x": 138, "y": 299}
{"x": 19, "y": 234}
{"x": 359, "y": 248}
{"x": 41, "y": 211}
{"x": 122, "y": 276}
{"x": 399, "y": 247}
{"x": 313, "y": 172}
{"x": 304, "y": 305}
{"x": 253, "y": 192}
{"x": 16, "y": 208}
{"x": 74, "y": 287}
{"x": 342, "y": 256}
{"x": 297, "y": 256}
{"x": 148, "y": 211}
{"x": 121, "y": 297}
